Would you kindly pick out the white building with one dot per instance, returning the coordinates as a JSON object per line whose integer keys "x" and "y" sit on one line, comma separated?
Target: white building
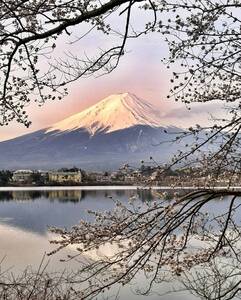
{"x": 22, "y": 176}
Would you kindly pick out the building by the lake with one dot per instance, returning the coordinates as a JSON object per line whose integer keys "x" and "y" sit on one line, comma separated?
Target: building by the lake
{"x": 65, "y": 176}
{"x": 22, "y": 176}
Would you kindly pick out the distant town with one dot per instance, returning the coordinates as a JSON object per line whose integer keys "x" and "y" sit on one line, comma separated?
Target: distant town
{"x": 125, "y": 175}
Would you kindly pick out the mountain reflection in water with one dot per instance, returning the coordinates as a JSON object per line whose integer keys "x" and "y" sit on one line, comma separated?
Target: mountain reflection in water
{"x": 26, "y": 215}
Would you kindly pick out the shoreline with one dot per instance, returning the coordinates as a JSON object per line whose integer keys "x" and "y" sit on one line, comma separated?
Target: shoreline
{"x": 109, "y": 187}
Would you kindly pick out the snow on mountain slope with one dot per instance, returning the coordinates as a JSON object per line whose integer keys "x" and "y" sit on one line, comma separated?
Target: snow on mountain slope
{"x": 113, "y": 113}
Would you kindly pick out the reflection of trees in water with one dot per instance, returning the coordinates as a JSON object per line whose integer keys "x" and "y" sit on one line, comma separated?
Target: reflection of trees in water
{"x": 55, "y": 195}
{"x": 185, "y": 239}
{"x": 174, "y": 240}
{"x": 219, "y": 279}
{"x": 77, "y": 195}
{"x": 145, "y": 194}
{"x": 6, "y": 196}
{"x": 19, "y": 195}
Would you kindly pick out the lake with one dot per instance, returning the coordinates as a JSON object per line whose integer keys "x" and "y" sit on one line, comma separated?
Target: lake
{"x": 26, "y": 214}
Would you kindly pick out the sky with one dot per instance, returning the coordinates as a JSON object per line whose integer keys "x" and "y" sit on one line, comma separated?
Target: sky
{"x": 140, "y": 72}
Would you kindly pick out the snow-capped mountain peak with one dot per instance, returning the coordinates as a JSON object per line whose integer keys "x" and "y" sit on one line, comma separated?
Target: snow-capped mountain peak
{"x": 113, "y": 113}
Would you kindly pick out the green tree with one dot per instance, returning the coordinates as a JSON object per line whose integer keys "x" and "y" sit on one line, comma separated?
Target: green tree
{"x": 5, "y": 177}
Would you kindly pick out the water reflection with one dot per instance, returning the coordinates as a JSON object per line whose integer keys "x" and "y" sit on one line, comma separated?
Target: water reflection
{"x": 26, "y": 215}
{"x": 74, "y": 195}
{"x": 23, "y": 249}
{"x": 36, "y": 210}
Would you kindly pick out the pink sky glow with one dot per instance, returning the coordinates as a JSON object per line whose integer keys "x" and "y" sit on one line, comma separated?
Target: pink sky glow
{"x": 140, "y": 72}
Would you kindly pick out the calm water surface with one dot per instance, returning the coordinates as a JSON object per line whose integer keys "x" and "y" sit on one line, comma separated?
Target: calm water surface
{"x": 26, "y": 215}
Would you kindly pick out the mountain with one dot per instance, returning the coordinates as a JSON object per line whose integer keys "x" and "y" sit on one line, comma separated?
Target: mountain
{"x": 122, "y": 128}
{"x": 115, "y": 112}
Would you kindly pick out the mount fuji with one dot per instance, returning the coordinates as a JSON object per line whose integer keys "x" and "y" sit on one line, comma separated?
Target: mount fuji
{"x": 121, "y": 128}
